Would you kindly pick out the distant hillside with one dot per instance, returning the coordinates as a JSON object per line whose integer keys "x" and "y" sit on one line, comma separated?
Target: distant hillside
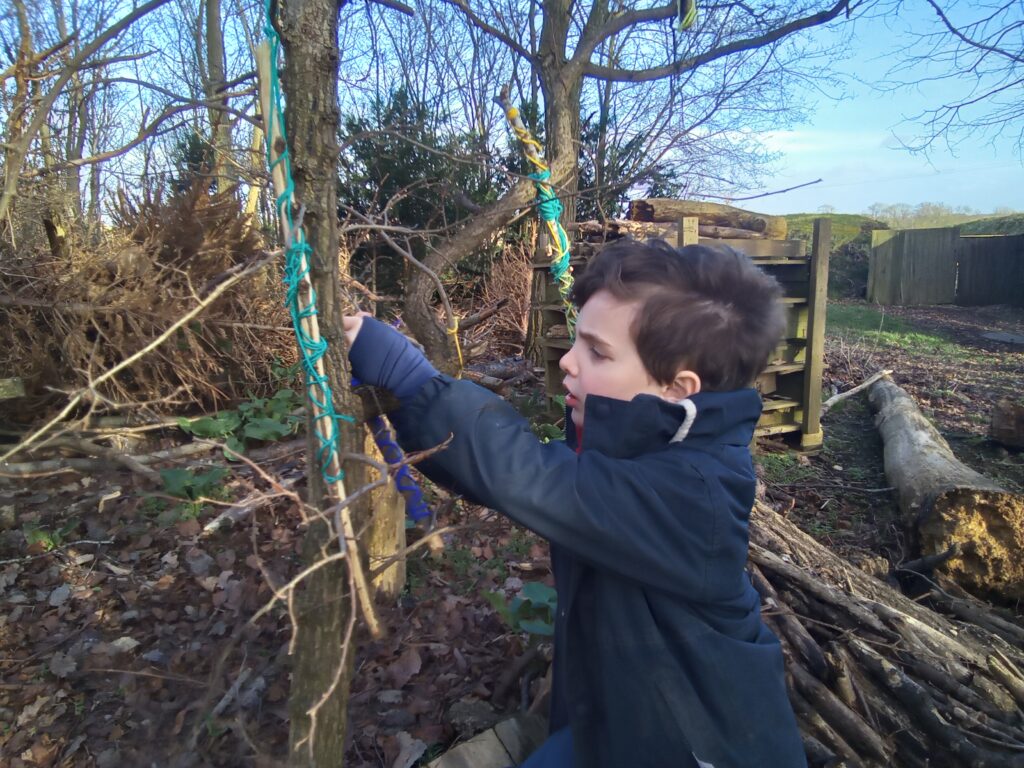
{"x": 845, "y": 226}
{"x": 1002, "y": 225}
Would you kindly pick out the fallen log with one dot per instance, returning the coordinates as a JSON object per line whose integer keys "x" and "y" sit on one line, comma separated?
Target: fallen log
{"x": 661, "y": 209}
{"x": 945, "y": 504}
{"x": 877, "y": 679}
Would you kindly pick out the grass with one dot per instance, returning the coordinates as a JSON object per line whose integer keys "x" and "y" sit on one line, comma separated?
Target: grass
{"x": 875, "y": 327}
{"x": 1001, "y": 225}
{"x": 845, "y": 226}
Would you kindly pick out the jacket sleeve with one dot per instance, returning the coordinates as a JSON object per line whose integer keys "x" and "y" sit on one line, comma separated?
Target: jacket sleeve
{"x": 606, "y": 511}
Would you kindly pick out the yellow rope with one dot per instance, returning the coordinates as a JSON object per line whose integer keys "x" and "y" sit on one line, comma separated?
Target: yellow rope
{"x": 454, "y": 332}
{"x": 559, "y": 240}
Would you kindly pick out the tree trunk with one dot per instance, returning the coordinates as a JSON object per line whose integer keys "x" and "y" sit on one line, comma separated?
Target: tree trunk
{"x": 663, "y": 209}
{"x": 1007, "y": 425}
{"x": 322, "y": 655}
{"x": 14, "y": 154}
{"x": 220, "y": 120}
{"x": 561, "y": 82}
{"x": 946, "y": 504}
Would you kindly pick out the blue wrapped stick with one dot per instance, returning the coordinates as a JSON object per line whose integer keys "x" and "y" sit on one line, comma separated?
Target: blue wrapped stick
{"x": 415, "y": 505}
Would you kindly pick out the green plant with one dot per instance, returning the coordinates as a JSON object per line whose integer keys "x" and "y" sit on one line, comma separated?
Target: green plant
{"x": 783, "y": 468}
{"x": 193, "y": 488}
{"x": 48, "y": 539}
{"x": 259, "y": 419}
{"x": 546, "y": 431}
{"x": 531, "y": 611}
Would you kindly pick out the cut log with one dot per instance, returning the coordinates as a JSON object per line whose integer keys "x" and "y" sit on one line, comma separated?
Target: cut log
{"x": 944, "y": 503}
{"x": 732, "y": 233}
{"x": 640, "y": 230}
{"x": 1007, "y": 425}
{"x": 661, "y": 209}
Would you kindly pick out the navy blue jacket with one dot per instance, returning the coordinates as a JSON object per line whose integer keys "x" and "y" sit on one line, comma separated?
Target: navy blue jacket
{"x": 661, "y": 657}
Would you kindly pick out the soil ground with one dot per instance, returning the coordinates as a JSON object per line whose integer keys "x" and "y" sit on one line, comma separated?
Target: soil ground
{"x": 121, "y": 653}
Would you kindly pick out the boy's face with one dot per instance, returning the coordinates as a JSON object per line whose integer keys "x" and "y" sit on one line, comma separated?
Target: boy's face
{"x": 604, "y": 359}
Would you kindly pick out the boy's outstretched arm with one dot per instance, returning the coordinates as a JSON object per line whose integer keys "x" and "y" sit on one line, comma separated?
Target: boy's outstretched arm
{"x": 382, "y": 357}
{"x": 613, "y": 513}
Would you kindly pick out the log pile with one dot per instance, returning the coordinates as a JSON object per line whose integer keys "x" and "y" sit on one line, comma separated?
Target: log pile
{"x": 711, "y": 215}
{"x": 946, "y": 506}
{"x": 879, "y": 680}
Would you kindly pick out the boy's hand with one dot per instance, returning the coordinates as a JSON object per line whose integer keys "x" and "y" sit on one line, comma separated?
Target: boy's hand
{"x": 382, "y": 357}
{"x": 353, "y": 324}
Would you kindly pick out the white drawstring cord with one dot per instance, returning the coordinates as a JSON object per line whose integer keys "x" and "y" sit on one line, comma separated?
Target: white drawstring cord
{"x": 691, "y": 416}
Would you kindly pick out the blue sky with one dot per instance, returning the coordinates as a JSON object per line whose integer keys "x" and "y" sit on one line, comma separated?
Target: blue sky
{"x": 853, "y": 143}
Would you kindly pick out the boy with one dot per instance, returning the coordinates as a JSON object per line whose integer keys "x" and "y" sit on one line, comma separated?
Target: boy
{"x": 661, "y": 658}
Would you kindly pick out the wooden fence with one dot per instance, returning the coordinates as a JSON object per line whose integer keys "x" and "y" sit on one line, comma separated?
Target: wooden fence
{"x": 939, "y": 266}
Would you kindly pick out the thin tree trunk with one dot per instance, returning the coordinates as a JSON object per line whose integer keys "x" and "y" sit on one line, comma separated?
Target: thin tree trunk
{"x": 14, "y": 154}
{"x": 220, "y": 120}
{"x": 310, "y": 80}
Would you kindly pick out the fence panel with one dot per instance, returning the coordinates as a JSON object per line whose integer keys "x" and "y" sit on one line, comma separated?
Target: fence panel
{"x": 884, "y": 266}
{"x": 991, "y": 270}
{"x": 929, "y": 266}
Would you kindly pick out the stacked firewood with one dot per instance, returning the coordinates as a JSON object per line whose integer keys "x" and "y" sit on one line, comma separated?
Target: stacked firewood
{"x": 660, "y": 217}
{"x": 877, "y": 679}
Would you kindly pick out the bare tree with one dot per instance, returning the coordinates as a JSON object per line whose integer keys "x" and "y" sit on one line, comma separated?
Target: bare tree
{"x": 560, "y": 46}
{"x": 976, "y": 50}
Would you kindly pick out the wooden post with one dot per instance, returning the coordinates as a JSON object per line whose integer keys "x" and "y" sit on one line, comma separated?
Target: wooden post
{"x": 689, "y": 231}
{"x": 811, "y": 436}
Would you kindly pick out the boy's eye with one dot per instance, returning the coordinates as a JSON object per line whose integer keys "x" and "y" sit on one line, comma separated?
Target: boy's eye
{"x": 597, "y": 355}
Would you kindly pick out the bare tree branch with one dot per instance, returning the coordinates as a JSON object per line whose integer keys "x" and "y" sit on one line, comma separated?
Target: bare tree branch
{"x": 46, "y": 103}
{"x": 476, "y": 21}
{"x": 737, "y": 46}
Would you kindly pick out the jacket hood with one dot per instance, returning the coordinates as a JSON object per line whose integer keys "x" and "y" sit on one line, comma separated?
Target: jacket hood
{"x": 624, "y": 429}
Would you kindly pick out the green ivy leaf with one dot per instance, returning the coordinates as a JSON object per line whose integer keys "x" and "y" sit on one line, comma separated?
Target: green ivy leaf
{"x": 540, "y": 594}
{"x": 537, "y": 627}
{"x": 233, "y": 444}
{"x": 265, "y": 428}
{"x": 178, "y": 482}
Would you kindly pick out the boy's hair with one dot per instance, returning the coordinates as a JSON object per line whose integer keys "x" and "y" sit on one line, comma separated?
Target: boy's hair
{"x": 710, "y": 310}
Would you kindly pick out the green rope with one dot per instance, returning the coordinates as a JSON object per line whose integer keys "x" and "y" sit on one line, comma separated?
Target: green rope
{"x": 296, "y": 268}
{"x": 550, "y": 208}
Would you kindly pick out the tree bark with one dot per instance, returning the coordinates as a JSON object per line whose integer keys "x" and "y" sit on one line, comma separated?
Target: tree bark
{"x": 220, "y": 120}
{"x": 946, "y": 504}
{"x": 309, "y": 35}
{"x": 664, "y": 210}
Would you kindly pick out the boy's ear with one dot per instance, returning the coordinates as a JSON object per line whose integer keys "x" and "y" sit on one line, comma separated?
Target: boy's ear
{"x": 684, "y": 385}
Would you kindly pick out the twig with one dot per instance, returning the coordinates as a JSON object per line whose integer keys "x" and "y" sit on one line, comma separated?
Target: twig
{"x": 827, "y": 405}
{"x": 55, "y": 550}
{"x": 475, "y": 319}
{"x": 54, "y": 466}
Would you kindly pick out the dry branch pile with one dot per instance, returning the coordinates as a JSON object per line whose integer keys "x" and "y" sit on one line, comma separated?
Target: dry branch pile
{"x": 878, "y": 680}
{"x": 67, "y": 322}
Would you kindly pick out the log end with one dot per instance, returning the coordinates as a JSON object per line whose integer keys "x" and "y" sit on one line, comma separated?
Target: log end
{"x": 988, "y": 525}
{"x": 641, "y": 210}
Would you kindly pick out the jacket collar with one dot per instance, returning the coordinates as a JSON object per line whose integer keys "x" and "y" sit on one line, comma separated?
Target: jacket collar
{"x": 624, "y": 429}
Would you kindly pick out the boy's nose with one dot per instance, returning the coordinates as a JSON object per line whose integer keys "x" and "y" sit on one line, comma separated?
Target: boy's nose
{"x": 568, "y": 363}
